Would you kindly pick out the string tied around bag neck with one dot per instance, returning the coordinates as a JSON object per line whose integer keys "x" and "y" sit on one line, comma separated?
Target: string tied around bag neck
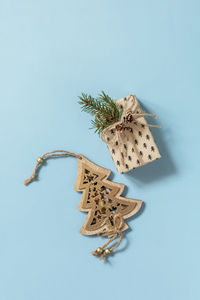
{"x": 127, "y": 125}
{"x": 44, "y": 157}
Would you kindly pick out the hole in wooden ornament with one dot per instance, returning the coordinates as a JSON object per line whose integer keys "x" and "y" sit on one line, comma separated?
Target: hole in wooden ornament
{"x": 96, "y": 201}
{"x": 89, "y": 177}
{"x": 94, "y": 221}
{"x": 113, "y": 209}
{"x": 102, "y": 195}
{"x": 103, "y": 210}
{"x": 108, "y": 191}
{"x": 111, "y": 220}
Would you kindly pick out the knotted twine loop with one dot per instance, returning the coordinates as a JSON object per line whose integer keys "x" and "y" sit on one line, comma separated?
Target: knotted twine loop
{"x": 47, "y": 155}
{"x": 112, "y": 234}
{"x": 120, "y": 127}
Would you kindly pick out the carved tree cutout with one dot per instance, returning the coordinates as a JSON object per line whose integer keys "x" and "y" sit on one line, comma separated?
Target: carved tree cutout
{"x": 101, "y": 199}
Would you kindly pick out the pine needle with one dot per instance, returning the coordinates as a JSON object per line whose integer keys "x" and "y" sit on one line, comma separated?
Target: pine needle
{"x": 103, "y": 108}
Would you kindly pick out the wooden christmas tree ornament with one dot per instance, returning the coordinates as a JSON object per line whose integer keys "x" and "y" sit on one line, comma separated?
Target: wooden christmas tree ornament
{"x": 101, "y": 199}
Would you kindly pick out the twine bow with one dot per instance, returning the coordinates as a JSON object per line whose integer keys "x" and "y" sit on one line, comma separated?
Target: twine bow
{"x": 112, "y": 234}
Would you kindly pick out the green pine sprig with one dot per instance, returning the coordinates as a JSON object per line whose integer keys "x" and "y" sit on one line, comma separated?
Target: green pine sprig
{"x": 103, "y": 108}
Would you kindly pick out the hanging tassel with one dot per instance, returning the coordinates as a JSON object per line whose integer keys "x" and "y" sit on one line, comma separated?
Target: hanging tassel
{"x": 103, "y": 251}
{"x": 113, "y": 234}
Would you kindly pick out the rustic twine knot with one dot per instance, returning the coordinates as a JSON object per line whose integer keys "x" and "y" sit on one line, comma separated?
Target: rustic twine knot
{"x": 119, "y": 127}
{"x": 129, "y": 122}
{"x": 113, "y": 234}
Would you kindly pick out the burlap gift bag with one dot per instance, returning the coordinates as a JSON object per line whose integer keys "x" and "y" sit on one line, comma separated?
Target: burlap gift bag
{"x": 130, "y": 141}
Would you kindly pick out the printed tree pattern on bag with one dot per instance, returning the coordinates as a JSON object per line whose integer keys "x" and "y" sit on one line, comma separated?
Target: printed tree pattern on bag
{"x": 135, "y": 146}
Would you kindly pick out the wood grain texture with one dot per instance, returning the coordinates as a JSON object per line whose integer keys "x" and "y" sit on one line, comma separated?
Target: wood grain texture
{"x": 101, "y": 198}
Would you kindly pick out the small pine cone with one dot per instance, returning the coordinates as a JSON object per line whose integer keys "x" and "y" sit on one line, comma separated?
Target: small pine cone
{"x": 129, "y": 117}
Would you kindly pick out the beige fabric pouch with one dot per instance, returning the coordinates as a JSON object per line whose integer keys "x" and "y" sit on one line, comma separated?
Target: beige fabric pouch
{"x": 134, "y": 146}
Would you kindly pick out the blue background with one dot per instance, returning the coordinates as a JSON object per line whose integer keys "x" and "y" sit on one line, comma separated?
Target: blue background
{"x": 50, "y": 52}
